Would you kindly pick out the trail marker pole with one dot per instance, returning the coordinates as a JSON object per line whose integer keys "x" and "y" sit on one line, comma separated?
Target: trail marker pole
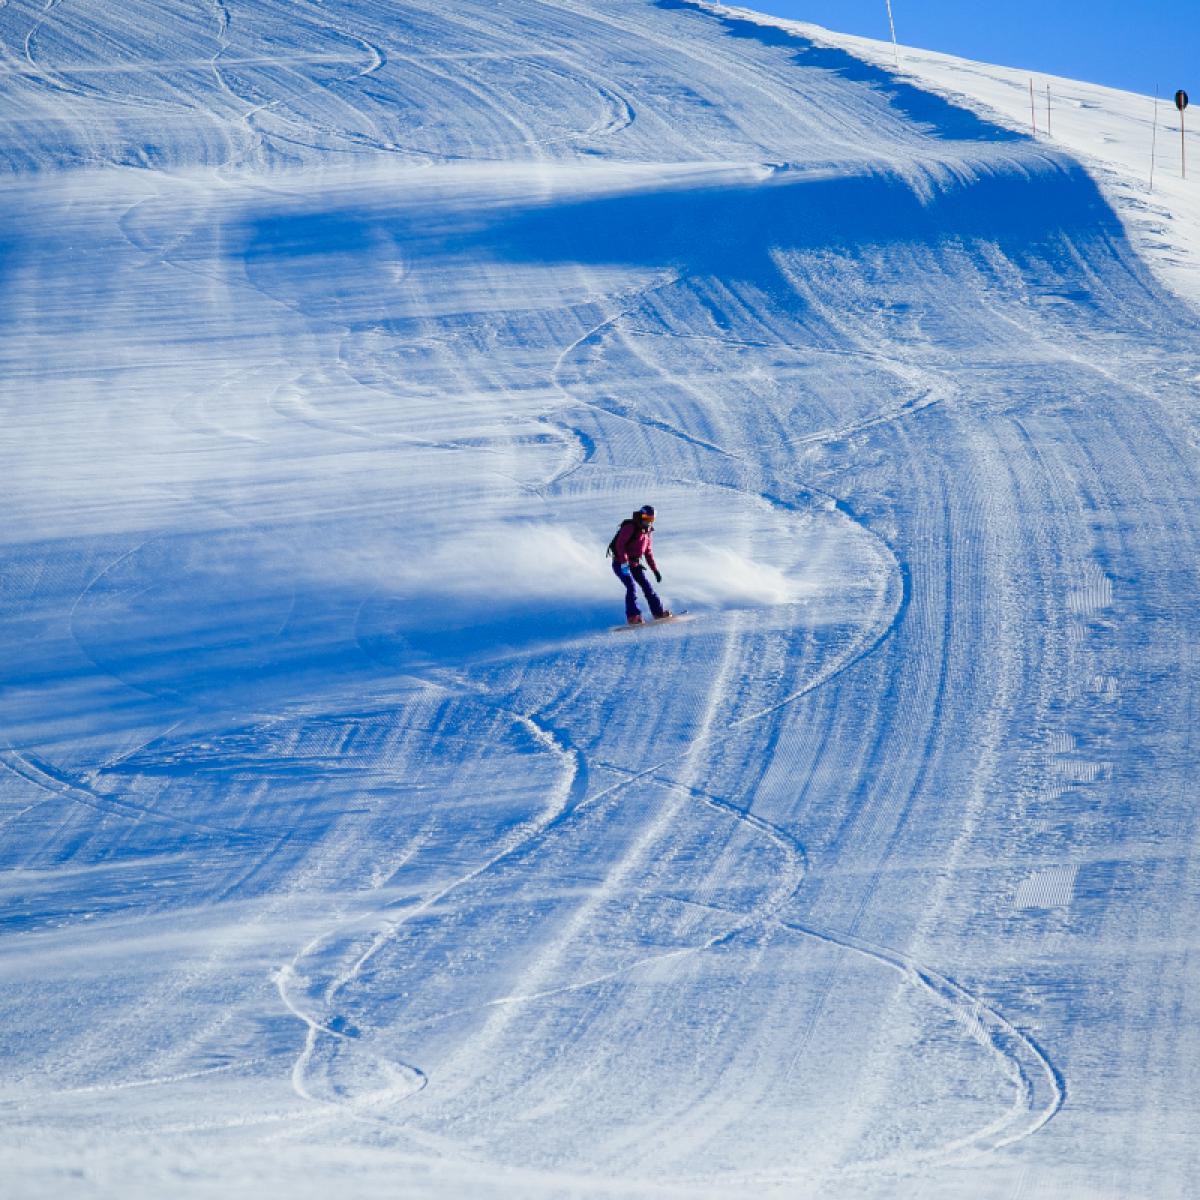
{"x": 1181, "y": 102}
{"x": 1154, "y": 137}
{"x": 1032, "y": 110}
{"x": 892, "y": 27}
{"x": 1047, "y": 110}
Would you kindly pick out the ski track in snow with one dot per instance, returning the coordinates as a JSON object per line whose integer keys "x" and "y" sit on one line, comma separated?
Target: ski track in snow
{"x": 339, "y": 829}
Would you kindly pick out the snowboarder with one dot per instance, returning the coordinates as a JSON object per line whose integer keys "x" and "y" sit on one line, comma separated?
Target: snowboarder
{"x": 630, "y": 545}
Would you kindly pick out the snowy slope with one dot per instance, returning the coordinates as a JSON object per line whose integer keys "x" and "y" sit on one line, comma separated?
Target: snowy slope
{"x": 345, "y": 847}
{"x": 1131, "y": 144}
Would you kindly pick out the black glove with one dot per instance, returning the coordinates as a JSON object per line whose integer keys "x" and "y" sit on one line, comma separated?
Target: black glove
{"x": 657, "y": 575}
{"x": 635, "y": 564}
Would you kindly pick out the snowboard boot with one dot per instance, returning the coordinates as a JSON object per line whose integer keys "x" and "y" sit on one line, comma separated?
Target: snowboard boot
{"x": 665, "y": 615}
{"x": 636, "y": 619}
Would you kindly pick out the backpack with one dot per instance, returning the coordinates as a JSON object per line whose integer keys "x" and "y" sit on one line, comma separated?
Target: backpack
{"x": 612, "y": 546}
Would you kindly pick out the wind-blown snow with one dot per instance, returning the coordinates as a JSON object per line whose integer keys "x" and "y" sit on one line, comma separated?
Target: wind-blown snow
{"x": 346, "y": 847}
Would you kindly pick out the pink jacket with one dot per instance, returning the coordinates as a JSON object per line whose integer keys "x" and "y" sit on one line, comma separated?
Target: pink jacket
{"x": 633, "y": 543}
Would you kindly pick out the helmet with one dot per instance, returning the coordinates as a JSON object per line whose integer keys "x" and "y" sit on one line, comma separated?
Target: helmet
{"x": 645, "y": 514}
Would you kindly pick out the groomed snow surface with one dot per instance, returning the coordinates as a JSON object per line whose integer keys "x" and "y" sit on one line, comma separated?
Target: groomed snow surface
{"x": 348, "y": 852}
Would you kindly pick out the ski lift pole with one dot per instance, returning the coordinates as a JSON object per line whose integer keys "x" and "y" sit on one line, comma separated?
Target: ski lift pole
{"x": 892, "y": 27}
{"x": 1032, "y": 110}
{"x": 1181, "y": 102}
{"x": 1154, "y": 137}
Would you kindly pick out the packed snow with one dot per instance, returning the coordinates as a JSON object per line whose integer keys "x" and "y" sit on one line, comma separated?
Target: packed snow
{"x": 346, "y": 846}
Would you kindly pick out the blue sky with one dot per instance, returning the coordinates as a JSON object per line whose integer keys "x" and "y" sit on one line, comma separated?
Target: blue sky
{"x": 1113, "y": 42}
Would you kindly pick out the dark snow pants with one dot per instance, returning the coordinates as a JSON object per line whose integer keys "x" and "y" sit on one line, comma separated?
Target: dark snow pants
{"x": 637, "y": 575}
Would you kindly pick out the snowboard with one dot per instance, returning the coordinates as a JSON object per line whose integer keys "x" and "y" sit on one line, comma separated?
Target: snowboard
{"x": 682, "y": 615}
